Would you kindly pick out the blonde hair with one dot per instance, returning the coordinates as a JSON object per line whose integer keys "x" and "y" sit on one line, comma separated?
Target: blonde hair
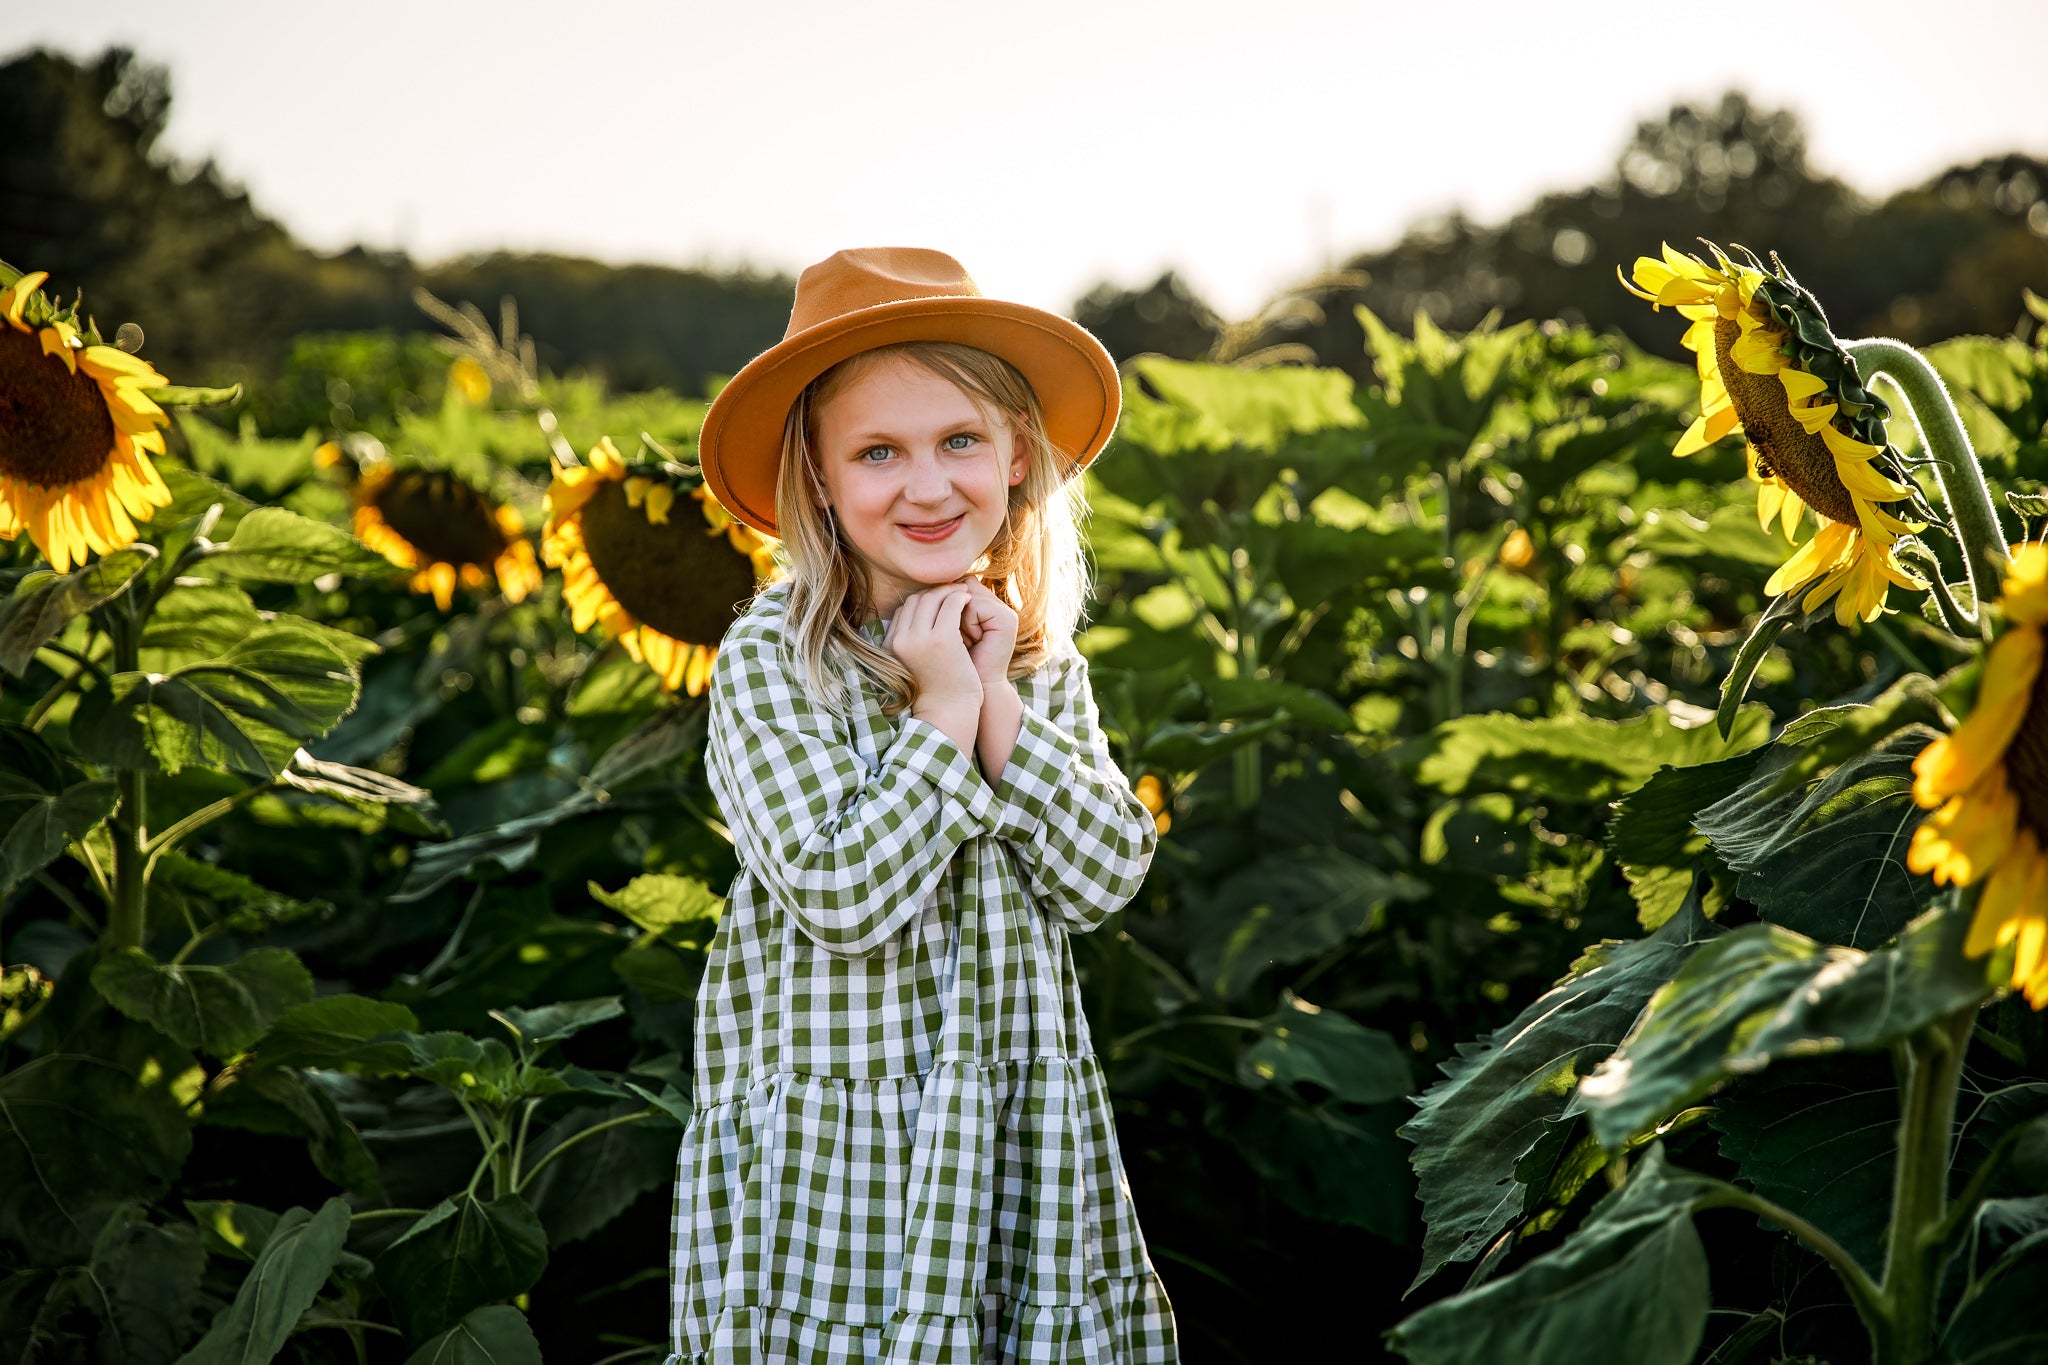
{"x": 1036, "y": 562}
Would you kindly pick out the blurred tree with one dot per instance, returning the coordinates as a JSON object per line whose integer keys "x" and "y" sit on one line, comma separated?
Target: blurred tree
{"x": 86, "y": 194}
{"x": 1166, "y": 317}
{"x": 1947, "y": 257}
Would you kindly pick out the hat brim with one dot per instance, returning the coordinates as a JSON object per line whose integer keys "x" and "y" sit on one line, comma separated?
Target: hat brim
{"x": 740, "y": 447}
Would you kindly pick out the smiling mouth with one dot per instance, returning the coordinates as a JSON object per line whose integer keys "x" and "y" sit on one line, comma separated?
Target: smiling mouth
{"x": 928, "y": 525}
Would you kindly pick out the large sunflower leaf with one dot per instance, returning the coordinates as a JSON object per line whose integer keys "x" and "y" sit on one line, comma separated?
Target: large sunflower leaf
{"x": 463, "y": 1255}
{"x": 44, "y": 602}
{"x": 247, "y": 709}
{"x": 1287, "y": 908}
{"x": 2001, "y": 1322}
{"x": 1827, "y": 859}
{"x": 1213, "y": 407}
{"x": 337, "y": 1031}
{"x": 297, "y": 1259}
{"x": 1633, "y": 1279}
{"x": 583, "y": 1191}
{"x": 1303, "y": 1042}
{"x": 493, "y": 1335}
{"x": 1820, "y": 1142}
{"x": 40, "y": 812}
{"x": 1652, "y": 834}
{"x": 1765, "y": 992}
{"x": 219, "y": 1011}
{"x": 1576, "y": 757}
{"x": 1498, "y": 1093}
{"x": 274, "y": 545}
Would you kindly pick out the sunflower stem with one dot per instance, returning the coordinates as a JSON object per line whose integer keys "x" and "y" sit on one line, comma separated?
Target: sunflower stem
{"x": 1930, "y": 1067}
{"x": 1970, "y": 509}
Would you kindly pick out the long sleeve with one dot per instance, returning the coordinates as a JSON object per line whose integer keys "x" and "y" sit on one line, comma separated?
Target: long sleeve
{"x": 852, "y": 854}
{"x": 1081, "y": 836}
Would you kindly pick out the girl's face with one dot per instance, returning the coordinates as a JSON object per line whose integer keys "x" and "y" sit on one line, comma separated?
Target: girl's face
{"x": 902, "y": 449}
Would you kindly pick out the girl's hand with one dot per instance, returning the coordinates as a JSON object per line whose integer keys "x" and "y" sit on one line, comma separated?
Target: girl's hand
{"x": 927, "y": 635}
{"x": 989, "y": 625}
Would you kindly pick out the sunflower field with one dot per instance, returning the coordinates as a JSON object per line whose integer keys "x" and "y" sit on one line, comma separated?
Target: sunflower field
{"x": 1601, "y": 908}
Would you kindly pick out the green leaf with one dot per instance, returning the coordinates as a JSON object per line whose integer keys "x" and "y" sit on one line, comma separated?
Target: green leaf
{"x": 219, "y": 1011}
{"x": 1304, "y": 1042}
{"x": 247, "y": 709}
{"x": 2000, "y": 1323}
{"x": 1491, "y": 1108}
{"x": 1770, "y": 624}
{"x": 1573, "y": 757}
{"x": 1286, "y": 908}
{"x": 1633, "y": 1279}
{"x": 1828, "y": 860}
{"x": 192, "y": 493}
{"x": 273, "y": 545}
{"x": 235, "y": 1230}
{"x": 1213, "y": 407}
{"x": 484, "y": 1069}
{"x": 80, "y": 1130}
{"x": 552, "y": 1023}
{"x": 205, "y": 890}
{"x": 658, "y": 902}
{"x": 1652, "y": 832}
{"x": 44, "y": 602}
{"x": 1183, "y": 748}
{"x": 133, "y": 1298}
{"x": 582, "y": 1192}
{"x": 185, "y": 396}
{"x": 463, "y": 1255}
{"x": 336, "y": 1031}
{"x": 1333, "y": 1163}
{"x": 41, "y": 811}
{"x": 296, "y": 1104}
{"x": 493, "y": 1335}
{"x": 297, "y": 1259}
{"x": 1247, "y": 698}
{"x": 1819, "y": 1141}
{"x": 1765, "y": 992}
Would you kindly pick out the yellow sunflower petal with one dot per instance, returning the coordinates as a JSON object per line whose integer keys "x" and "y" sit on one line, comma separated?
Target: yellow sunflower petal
{"x": 1960, "y": 759}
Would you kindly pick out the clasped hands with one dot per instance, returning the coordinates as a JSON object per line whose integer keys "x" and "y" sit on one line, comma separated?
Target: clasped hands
{"x": 957, "y": 639}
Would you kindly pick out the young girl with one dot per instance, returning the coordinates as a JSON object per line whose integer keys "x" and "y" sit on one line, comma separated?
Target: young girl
{"x": 902, "y": 1150}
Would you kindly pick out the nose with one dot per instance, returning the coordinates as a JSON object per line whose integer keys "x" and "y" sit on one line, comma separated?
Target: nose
{"x": 929, "y": 483}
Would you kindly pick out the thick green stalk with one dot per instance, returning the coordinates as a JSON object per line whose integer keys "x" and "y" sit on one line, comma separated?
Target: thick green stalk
{"x": 1930, "y": 1065}
{"x": 1970, "y": 509}
{"x": 127, "y": 916}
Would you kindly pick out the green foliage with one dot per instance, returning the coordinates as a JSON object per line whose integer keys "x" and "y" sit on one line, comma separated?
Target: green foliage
{"x": 322, "y": 898}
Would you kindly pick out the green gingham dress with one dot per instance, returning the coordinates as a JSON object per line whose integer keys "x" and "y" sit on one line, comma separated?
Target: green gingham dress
{"x": 902, "y": 1150}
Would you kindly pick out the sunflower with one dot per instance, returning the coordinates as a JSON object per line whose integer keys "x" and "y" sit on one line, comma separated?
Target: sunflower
{"x": 665, "y": 592}
{"x": 432, "y": 522}
{"x": 1153, "y": 797}
{"x": 76, "y": 430}
{"x": 1989, "y": 779}
{"x": 1770, "y": 368}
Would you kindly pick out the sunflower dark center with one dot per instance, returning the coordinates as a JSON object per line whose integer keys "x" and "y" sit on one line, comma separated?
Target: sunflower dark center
{"x": 441, "y": 517}
{"x": 2026, "y": 761}
{"x": 54, "y": 426}
{"x": 1799, "y": 457}
{"x": 687, "y": 584}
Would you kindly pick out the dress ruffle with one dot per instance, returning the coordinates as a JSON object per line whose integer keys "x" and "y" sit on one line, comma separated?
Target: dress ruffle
{"x": 1125, "y": 1322}
{"x": 823, "y": 1218}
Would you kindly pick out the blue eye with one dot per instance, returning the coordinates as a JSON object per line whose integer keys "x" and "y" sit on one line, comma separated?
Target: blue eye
{"x": 871, "y": 450}
{"x": 961, "y": 436}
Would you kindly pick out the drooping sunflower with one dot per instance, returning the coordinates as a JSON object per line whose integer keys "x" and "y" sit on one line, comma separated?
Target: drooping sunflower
{"x": 1770, "y": 368}
{"x": 665, "y": 589}
{"x": 76, "y": 431}
{"x": 432, "y": 522}
{"x": 1987, "y": 783}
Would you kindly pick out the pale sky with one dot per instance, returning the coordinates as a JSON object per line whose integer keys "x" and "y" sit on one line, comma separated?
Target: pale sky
{"x": 1047, "y": 144}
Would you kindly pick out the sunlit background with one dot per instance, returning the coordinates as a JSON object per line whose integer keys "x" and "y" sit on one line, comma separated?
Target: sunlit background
{"x": 1052, "y": 149}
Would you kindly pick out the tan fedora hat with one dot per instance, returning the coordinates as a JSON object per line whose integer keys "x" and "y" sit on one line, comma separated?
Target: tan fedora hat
{"x": 858, "y": 299}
